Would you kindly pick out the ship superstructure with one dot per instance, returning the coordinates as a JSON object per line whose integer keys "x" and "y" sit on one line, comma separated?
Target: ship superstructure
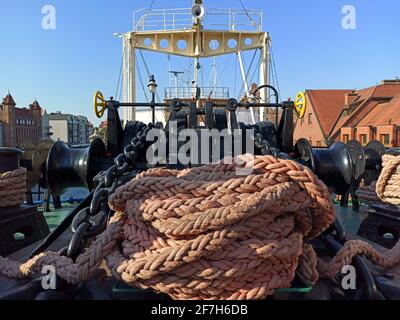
{"x": 196, "y": 33}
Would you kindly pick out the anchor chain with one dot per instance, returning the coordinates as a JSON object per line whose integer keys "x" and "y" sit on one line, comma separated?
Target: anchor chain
{"x": 92, "y": 221}
{"x": 266, "y": 150}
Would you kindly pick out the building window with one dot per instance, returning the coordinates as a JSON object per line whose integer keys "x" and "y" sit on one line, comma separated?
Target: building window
{"x": 385, "y": 139}
{"x": 363, "y": 139}
{"x": 346, "y": 138}
{"x": 310, "y": 118}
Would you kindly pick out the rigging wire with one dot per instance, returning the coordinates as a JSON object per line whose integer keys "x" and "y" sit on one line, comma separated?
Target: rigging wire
{"x": 151, "y": 5}
{"x": 255, "y": 70}
{"x": 190, "y": 79}
{"x": 248, "y": 15}
{"x": 224, "y": 68}
{"x": 119, "y": 82}
{"x": 276, "y": 73}
{"x": 248, "y": 73}
{"x": 148, "y": 71}
{"x": 213, "y": 80}
{"x": 143, "y": 86}
{"x": 141, "y": 81}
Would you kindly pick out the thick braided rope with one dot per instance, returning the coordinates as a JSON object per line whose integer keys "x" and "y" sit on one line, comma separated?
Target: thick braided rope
{"x": 388, "y": 185}
{"x": 13, "y": 187}
{"x": 358, "y": 247}
{"x": 209, "y": 233}
{"x": 74, "y": 273}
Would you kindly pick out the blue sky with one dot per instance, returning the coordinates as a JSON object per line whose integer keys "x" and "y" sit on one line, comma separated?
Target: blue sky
{"x": 62, "y": 68}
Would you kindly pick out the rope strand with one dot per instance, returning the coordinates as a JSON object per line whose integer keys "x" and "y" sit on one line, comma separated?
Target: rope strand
{"x": 13, "y": 188}
{"x": 209, "y": 233}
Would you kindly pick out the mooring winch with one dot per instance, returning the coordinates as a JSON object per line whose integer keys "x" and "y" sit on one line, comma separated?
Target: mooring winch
{"x": 339, "y": 166}
{"x": 69, "y": 167}
{"x": 34, "y": 159}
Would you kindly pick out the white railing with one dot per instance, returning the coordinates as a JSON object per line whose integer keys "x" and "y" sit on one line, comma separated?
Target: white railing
{"x": 214, "y": 19}
{"x": 189, "y": 93}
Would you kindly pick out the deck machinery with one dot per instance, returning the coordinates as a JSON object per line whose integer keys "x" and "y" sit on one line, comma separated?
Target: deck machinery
{"x": 340, "y": 167}
{"x": 123, "y": 155}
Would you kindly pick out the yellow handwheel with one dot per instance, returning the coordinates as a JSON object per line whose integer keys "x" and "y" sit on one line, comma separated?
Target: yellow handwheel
{"x": 100, "y": 104}
{"x": 300, "y": 104}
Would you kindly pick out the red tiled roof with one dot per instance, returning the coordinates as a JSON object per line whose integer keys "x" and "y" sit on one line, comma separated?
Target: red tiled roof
{"x": 365, "y": 93}
{"x": 359, "y": 111}
{"x": 368, "y": 100}
{"x": 328, "y": 105}
{"x": 8, "y": 100}
{"x": 383, "y": 114}
{"x": 387, "y": 90}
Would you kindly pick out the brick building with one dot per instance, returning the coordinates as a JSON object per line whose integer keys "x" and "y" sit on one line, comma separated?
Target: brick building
{"x": 323, "y": 109}
{"x": 7, "y": 120}
{"x": 20, "y": 125}
{"x": 342, "y": 115}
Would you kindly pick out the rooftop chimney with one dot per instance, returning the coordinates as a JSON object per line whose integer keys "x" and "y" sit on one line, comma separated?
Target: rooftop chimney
{"x": 350, "y": 98}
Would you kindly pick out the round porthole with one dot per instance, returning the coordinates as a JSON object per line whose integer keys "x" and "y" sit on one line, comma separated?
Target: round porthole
{"x": 182, "y": 44}
{"x": 164, "y": 43}
{"x": 248, "y": 41}
{"x": 147, "y": 42}
{"x": 214, "y": 44}
{"x": 232, "y": 43}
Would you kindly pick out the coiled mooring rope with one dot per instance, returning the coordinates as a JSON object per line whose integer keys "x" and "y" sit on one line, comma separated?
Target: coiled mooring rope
{"x": 388, "y": 185}
{"x": 13, "y": 188}
{"x": 210, "y": 233}
{"x": 387, "y": 188}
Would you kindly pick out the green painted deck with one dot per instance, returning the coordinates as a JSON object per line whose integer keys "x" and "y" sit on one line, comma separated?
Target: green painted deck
{"x": 56, "y": 216}
{"x": 351, "y": 220}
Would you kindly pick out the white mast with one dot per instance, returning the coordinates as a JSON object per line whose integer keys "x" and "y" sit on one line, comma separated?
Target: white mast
{"x": 264, "y": 74}
{"x": 129, "y": 77}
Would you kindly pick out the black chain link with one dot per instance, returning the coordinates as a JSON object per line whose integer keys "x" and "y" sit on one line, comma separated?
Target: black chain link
{"x": 92, "y": 221}
{"x": 262, "y": 144}
{"x": 265, "y": 148}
